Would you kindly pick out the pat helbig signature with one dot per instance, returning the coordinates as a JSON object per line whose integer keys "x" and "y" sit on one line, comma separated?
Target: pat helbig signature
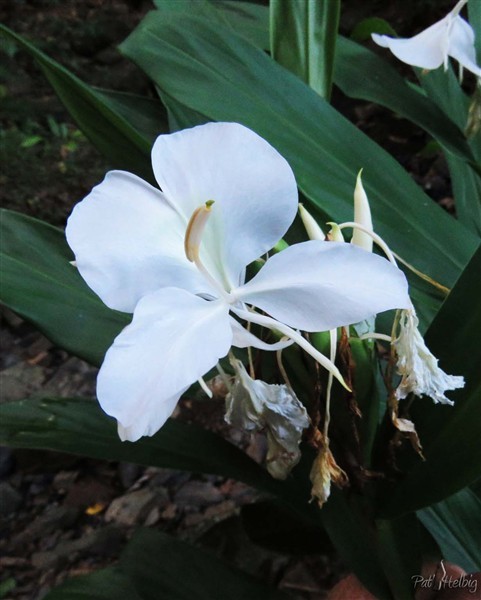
{"x": 445, "y": 581}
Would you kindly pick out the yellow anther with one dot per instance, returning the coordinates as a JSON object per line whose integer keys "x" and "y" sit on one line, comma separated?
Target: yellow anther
{"x": 195, "y": 230}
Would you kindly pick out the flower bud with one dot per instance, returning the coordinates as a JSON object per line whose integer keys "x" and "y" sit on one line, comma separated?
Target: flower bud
{"x": 362, "y": 215}
{"x": 314, "y": 232}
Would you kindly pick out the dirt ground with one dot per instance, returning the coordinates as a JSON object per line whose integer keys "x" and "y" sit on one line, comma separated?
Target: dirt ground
{"x": 62, "y": 515}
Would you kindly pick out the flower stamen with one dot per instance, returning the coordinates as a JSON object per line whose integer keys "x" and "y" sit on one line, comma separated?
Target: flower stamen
{"x": 193, "y": 238}
{"x": 195, "y": 230}
{"x": 271, "y": 323}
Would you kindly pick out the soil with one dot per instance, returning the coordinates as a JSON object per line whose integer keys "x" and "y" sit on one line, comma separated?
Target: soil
{"x": 64, "y": 515}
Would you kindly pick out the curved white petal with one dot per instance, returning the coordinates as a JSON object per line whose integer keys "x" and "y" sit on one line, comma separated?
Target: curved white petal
{"x": 461, "y": 45}
{"x": 151, "y": 419}
{"x": 316, "y": 286}
{"x": 128, "y": 241}
{"x": 243, "y": 339}
{"x": 174, "y": 338}
{"x": 252, "y": 185}
{"x": 427, "y": 49}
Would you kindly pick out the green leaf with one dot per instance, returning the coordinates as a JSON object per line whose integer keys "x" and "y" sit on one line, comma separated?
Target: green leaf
{"x": 386, "y": 87}
{"x": 107, "y": 584}
{"x": 444, "y": 90}
{"x": 270, "y": 525}
{"x": 400, "y": 554}
{"x": 147, "y": 115}
{"x": 303, "y": 39}
{"x": 78, "y": 426}
{"x": 40, "y": 284}
{"x": 455, "y": 524}
{"x": 474, "y": 12}
{"x": 451, "y": 436}
{"x": 96, "y": 113}
{"x": 218, "y": 74}
{"x": 155, "y": 565}
{"x": 354, "y": 538}
{"x": 362, "y": 30}
{"x": 245, "y": 18}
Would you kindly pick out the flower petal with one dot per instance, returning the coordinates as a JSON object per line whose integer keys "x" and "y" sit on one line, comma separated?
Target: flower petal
{"x": 427, "y": 49}
{"x": 316, "y": 286}
{"x": 418, "y": 367}
{"x": 461, "y": 45}
{"x": 255, "y": 405}
{"x": 252, "y": 185}
{"x": 174, "y": 338}
{"x": 149, "y": 421}
{"x": 244, "y": 338}
{"x": 128, "y": 242}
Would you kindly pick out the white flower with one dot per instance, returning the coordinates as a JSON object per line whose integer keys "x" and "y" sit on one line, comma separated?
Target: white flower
{"x": 128, "y": 239}
{"x": 418, "y": 367}
{"x": 255, "y": 405}
{"x": 450, "y": 37}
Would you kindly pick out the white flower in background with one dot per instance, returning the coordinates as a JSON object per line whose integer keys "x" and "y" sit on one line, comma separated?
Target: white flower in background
{"x": 450, "y": 37}
{"x": 177, "y": 258}
{"x": 418, "y": 368}
{"x": 254, "y": 405}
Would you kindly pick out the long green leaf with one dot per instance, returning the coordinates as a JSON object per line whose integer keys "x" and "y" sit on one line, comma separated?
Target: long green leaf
{"x": 155, "y": 566}
{"x": 245, "y": 18}
{"x": 106, "y": 584}
{"x": 355, "y": 540}
{"x": 474, "y": 12}
{"x": 39, "y": 283}
{"x": 216, "y": 73}
{"x": 400, "y": 553}
{"x": 303, "y": 39}
{"x": 451, "y": 436}
{"x": 78, "y": 426}
{"x": 97, "y": 114}
{"x": 443, "y": 89}
{"x": 147, "y": 115}
{"x": 455, "y": 524}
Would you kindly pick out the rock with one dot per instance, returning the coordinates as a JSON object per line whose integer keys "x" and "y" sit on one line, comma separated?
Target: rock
{"x": 133, "y": 507}
{"x": 48, "y": 560}
{"x": 129, "y": 473}
{"x": 63, "y": 480}
{"x": 104, "y": 541}
{"x": 56, "y": 517}
{"x": 221, "y": 511}
{"x": 10, "y": 499}
{"x": 73, "y": 378}
{"x": 20, "y": 381}
{"x": 153, "y": 517}
{"x": 88, "y": 492}
{"x": 198, "y": 494}
{"x": 169, "y": 477}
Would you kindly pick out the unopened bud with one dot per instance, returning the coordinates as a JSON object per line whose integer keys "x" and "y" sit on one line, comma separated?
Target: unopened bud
{"x": 335, "y": 233}
{"x": 362, "y": 215}
{"x": 314, "y": 232}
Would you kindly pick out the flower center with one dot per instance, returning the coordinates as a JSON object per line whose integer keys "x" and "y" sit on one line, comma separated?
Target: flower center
{"x": 193, "y": 238}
